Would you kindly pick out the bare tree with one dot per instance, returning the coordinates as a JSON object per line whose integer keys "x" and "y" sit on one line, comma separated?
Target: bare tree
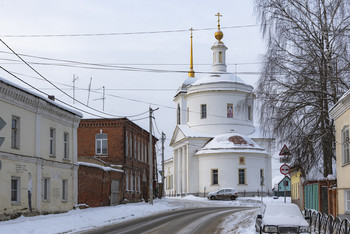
{"x": 305, "y": 72}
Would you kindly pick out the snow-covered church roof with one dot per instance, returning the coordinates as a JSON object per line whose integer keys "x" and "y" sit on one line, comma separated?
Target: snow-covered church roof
{"x": 231, "y": 143}
{"x": 218, "y": 77}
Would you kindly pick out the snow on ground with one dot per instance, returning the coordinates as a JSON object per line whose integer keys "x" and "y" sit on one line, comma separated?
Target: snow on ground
{"x": 91, "y": 218}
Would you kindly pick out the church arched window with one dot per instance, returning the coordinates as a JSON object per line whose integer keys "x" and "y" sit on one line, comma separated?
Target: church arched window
{"x": 178, "y": 114}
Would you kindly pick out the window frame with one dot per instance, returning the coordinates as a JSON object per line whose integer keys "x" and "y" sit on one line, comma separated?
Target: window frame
{"x": 347, "y": 200}
{"x": 99, "y": 144}
{"x": 64, "y": 190}
{"x": 229, "y": 114}
{"x": 46, "y": 189}
{"x": 17, "y": 190}
{"x": 245, "y": 176}
{"x": 52, "y": 144}
{"x": 204, "y": 111}
{"x": 345, "y": 145}
{"x": 65, "y": 145}
{"x": 15, "y": 132}
{"x": 178, "y": 115}
{"x": 250, "y": 113}
{"x": 215, "y": 176}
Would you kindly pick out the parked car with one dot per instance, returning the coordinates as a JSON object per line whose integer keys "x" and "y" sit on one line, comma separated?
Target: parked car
{"x": 224, "y": 193}
{"x": 281, "y": 218}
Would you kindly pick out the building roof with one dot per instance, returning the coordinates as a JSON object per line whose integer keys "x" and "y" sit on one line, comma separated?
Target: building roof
{"x": 231, "y": 143}
{"x": 73, "y": 111}
{"x": 219, "y": 77}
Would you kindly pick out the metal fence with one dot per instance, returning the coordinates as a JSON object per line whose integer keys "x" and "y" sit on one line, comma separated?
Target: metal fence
{"x": 323, "y": 223}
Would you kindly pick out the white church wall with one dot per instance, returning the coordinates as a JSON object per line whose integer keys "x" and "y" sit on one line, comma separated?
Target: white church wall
{"x": 217, "y": 121}
{"x": 228, "y": 165}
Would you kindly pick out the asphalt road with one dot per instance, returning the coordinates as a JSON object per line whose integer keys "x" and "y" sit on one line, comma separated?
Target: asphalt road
{"x": 196, "y": 220}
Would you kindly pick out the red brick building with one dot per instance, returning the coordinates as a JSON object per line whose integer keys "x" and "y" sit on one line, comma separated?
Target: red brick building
{"x": 114, "y": 162}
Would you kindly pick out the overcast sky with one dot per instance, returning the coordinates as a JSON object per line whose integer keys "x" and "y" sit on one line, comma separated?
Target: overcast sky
{"x": 131, "y": 43}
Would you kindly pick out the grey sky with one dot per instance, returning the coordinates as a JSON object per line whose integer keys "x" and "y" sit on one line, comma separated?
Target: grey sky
{"x": 23, "y": 17}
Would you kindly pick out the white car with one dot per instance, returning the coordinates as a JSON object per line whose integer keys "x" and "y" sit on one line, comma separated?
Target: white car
{"x": 282, "y": 218}
{"x": 224, "y": 193}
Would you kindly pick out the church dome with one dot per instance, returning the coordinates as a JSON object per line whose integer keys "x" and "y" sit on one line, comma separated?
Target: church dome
{"x": 219, "y": 35}
{"x": 231, "y": 143}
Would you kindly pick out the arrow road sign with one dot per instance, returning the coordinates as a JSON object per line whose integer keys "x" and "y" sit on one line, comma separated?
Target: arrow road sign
{"x": 284, "y": 169}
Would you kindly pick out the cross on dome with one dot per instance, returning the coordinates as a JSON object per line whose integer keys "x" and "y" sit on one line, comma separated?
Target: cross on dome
{"x": 218, "y": 15}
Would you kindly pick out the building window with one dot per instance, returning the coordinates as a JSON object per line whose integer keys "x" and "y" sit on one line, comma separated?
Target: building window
{"x": 249, "y": 113}
{"x": 347, "y": 200}
{"x": 345, "y": 143}
{"x": 46, "y": 189}
{"x": 52, "y": 142}
{"x": 127, "y": 180}
{"x": 126, "y": 140}
{"x": 229, "y": 110}
{"x": 15, "y": 190}
{"x": 220, "y": 57}
{"x": 64, "y": 190}
{"x": 15, "y": 133}
{"x": 132, "y": 182}
{"x": 214, "y": 176}
{"x": 178, "y": 114}
{"x": 130, "y": 145}
{"x": 262, "y": 177}
{"x": 138, "y": 149}
{"x": 241, "y": 176}
{"x": 66, "y": 145}
{"x": 203, "y": 111}
{"x": 101, "y": 144}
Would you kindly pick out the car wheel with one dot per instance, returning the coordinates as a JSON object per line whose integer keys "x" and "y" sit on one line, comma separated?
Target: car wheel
{"x": 212, "y": 198}
{"x": 233, "y": 198}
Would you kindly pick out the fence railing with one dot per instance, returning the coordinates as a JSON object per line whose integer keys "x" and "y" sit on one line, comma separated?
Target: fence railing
{"x": 323, "y": 223}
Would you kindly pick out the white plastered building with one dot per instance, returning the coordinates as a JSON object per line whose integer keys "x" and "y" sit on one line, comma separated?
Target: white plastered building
{"x": 38, "y": 153}
{"x": 215, "y": 142}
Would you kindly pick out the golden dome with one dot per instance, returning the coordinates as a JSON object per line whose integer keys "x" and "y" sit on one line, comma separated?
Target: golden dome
{"x": 219, "y": 35}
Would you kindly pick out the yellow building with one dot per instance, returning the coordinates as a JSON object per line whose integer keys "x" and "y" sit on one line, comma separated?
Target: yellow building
{"x": 38, "y": 153}
{"x": 340, "y": 112}
{"x": 296, "y": 188}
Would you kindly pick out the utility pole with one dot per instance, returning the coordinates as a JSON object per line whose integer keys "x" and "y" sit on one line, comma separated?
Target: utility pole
{"x": 163, "y": 172}
{"x": 89, "y": 92}
{"x": 74, "y": 79}
{"x": 150, "y": 153}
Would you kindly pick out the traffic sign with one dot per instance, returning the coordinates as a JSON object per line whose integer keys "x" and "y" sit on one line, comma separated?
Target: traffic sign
{"x": 285, "y": 159}
{"x": 284, "y": 169}
{"x": 285, "y": 151}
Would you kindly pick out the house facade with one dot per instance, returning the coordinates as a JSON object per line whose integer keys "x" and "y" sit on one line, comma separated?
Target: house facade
{"x": 340, "y": 112}
{"x": 169, "y": 177}
{"x": 38, "y": 157}
{"x": 123, "y": 147}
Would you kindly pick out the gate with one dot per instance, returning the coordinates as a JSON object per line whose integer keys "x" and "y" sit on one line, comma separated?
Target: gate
{"x": 114, "y": 192}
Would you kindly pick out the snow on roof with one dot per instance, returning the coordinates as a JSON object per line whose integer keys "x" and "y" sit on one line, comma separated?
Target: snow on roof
{"x": 99, "y": 166}
{"x": 219, "y": 77}
{"x": 189, "y": 132}
{"x": 231, "y": 143}
{"x": 187, "y": 82}
{"x": 40, "y": 96}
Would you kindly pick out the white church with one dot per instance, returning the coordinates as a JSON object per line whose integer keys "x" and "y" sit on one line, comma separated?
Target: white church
{"x": 215, "y": 142}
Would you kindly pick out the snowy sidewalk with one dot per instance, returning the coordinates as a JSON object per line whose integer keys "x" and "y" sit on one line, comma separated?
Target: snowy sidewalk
{"x": 79, "y": 220}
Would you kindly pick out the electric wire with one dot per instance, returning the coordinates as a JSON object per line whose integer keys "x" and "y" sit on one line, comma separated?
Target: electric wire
{"x": 118, "y": 116}
{"x": 126, "y": 33}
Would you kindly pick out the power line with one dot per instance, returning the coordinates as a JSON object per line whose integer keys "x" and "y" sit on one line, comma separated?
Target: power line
{"x": 96, "y": 66}
{"x": 125, "y": 33}
{"x": 57, "y": 86}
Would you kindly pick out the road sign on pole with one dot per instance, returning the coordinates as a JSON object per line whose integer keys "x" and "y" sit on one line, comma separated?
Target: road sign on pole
{"x": 284, "y": 169}
{"x": 284, "y": 151}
